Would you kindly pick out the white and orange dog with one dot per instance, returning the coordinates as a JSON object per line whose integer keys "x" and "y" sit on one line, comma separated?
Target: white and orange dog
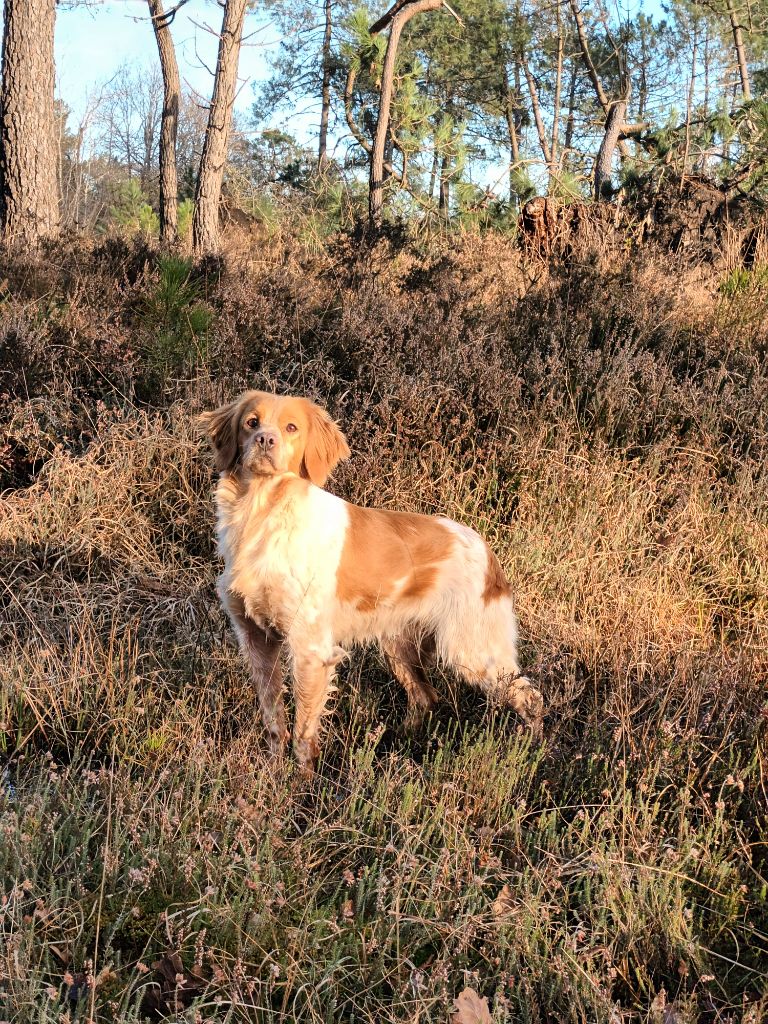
{"x": 305, "y": 569}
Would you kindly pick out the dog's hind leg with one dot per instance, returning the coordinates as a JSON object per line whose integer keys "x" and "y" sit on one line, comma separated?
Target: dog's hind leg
{"x": 407, "y": 658}
{"x": 484, "y": 653}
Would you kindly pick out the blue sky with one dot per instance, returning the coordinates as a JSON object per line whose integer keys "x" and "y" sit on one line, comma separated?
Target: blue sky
{"x": 93, "y": 41}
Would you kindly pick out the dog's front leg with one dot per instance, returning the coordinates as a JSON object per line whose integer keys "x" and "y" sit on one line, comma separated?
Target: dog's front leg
{"x": 261, "y": 649}
{"x": 314, "y": 666}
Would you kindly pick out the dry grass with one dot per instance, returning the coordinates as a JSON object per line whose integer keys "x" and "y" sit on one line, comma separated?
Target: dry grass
{"x": 614, "y": 456}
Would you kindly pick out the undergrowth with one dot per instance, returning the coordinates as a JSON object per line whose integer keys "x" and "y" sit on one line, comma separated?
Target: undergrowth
{"x": 603, "y": 423}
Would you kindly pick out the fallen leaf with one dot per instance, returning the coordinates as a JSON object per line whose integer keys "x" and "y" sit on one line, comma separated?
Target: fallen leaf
{"x": 502, "y": 905}
{"x": 470, "y": 1008}
{"x": 172, "y": 989}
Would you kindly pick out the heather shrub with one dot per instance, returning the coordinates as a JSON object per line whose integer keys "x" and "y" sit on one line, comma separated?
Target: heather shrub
{"x": 606, "y": 434}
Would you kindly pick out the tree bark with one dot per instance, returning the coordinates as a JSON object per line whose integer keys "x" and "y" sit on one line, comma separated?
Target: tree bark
{"x": 511, "y": 115}
{"x": 689, "y": 104}
{"x": 169, "y": 126}
{"x": 433, "y": 173}
{"x": 205, "y": 222}
{"x": 558, "y": 89}
{"x": 29, "y": 191}
{"x": 609, "y": 106}
{"x": 325, "y": 98}
{"x": 604, "y": 161}
{"x": 444, "y": 199}
{"x": 514, "y": 117}
{"x": 396, "y": 17}
{"x": 741, "y": 53}
{"x": 571, "y": 119}
{"x": 537, "y": 116}
{"x": 581, "y": 32}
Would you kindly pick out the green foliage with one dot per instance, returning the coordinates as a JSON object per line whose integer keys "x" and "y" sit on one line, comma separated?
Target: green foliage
{"x": 743, "y": 279}
{"x": 185, "y": 214}
{"x": 521, "y": 185}
{"x": 175, "y": 321}
{"x": 568, "y": 187}
{"x": 721, "y": 122}
{"x": 131, "y": 212}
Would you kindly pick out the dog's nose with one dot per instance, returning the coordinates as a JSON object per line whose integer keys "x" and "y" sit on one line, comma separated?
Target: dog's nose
{"x": 266, "y": 439}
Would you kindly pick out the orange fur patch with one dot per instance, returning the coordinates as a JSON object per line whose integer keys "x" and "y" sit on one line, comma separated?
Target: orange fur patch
{"x": 496, "y": 584}
{"x": 390, "y": 554}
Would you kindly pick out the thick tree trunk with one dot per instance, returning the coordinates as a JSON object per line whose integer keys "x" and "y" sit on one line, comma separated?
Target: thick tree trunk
{"x": 396, "y": 17}
{"x": 205, "y": 223}
{"x": 325, "y": 98}
{"x": 169, "y": 125}
{"x": 741, "y": 53}
{"x": 29, "y": 191}
{"x": 602, "y": 98}
{"x": 510, "y": 113}
{"x": 604, "y": 161}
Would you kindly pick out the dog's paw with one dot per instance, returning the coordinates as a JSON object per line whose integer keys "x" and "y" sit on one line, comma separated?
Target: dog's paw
{"x": 307, "y": 751}
{"x": 527, "y": 701}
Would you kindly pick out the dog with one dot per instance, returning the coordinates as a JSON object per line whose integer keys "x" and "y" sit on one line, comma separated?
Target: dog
{"x": 306, "y": 570}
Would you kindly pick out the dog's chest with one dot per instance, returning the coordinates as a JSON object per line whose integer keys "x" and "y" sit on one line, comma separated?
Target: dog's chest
{"x": 281, "y": 550}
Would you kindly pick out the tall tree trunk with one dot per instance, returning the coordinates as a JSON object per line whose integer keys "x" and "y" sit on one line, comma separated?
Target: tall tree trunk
{"x": 558, "y": 89}
{"x": 396, "y": 18}
{"x": 514, "y": 144}
{"x": 609, "y": 106}
{"x": 205, "y": 223}
{"x": 570, "y": 122}
{"x": 581, "y": 32}
{"x": 689, "y": 103}
{"x": 604, "y": 161}
{"x": 433, "y": 173}
{"x": 169, "y": 125}
{"x": 537, "y": 116}
{"x": 705, "y": 98}
{"x": 741, "y": 53}
{"x": 325, "y": 99}
{"x": 642, "y": 99}
{"x": 513, "y": 114}
{"x": 29, "y": 191}
{"x": 444, "y": 201}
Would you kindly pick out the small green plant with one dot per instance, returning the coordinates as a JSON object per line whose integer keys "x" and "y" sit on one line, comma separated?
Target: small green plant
{"x": 175, "y": 320}
{"x": 185, "y": 214}
{"x": 132, "y": 213}
{"x": 744, "y": 279}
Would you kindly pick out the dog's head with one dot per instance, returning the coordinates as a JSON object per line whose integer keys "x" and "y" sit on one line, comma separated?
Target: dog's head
{"x": 269, "y": 434}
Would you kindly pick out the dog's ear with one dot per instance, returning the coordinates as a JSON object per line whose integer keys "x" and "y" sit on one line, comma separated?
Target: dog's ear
{"x": 221, "y": 427}
{"x": 326, "y": 446}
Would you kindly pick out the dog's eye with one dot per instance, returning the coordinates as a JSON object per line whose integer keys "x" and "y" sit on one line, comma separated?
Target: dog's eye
{"x": 291, "y": 428}
{"x": 253, "y": 422}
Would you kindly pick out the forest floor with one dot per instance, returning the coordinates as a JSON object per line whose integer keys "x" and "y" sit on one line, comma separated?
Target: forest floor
{"x": 604, "y": 423}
